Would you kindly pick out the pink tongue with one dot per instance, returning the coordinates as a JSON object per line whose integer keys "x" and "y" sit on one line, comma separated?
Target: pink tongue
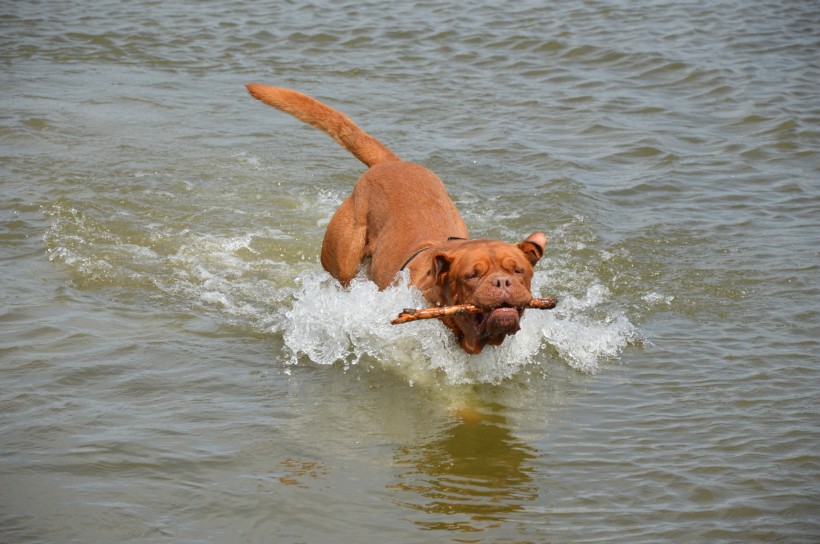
{"x": 502, "y": 321}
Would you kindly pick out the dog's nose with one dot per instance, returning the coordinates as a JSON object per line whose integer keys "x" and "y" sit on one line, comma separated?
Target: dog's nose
{"x": 501, "y": 282}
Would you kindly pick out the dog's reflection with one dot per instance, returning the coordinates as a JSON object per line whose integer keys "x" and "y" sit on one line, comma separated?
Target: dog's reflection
{"x": 472, "y": 477}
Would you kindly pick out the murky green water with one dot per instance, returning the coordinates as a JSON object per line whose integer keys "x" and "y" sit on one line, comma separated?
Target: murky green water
{"x": 177, "y": 368}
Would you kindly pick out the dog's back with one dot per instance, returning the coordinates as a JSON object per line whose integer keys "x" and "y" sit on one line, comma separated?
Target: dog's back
{"x": 362, "y": 145}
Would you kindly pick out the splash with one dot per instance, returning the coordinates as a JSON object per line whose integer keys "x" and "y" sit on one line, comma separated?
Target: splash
{"x": 244, "y": 278}
{"x": 327, "y": 324}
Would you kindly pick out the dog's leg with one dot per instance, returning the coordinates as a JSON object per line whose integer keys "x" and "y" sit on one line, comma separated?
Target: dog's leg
{"x": 343, "y": 248}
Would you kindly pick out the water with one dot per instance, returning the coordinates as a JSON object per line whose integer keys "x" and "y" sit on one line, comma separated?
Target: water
{"x": 177, "y": 368}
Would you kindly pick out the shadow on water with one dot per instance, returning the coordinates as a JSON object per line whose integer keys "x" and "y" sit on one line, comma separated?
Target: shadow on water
{"x": 468, "y": 479}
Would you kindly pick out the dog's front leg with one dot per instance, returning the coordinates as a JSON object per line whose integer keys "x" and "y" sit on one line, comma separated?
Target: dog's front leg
{"x": 343, "y": 248}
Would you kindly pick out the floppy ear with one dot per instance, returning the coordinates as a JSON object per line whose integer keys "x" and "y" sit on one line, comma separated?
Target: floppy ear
{"x": 441, "y": 266}
{"x": 533, "y": 246}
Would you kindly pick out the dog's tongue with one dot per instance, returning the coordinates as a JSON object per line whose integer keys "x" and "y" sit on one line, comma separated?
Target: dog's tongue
{"x": 501, "y": 321}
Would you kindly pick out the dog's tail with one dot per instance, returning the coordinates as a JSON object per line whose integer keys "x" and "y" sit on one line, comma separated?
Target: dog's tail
{"x": 364, "y": 147}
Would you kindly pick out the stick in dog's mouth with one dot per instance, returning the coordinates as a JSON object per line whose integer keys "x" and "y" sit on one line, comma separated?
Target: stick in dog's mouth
{"x": 413, "y": 314}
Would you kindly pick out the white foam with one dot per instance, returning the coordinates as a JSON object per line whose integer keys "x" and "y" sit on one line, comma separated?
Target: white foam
{"x": 657, "y": 298}
{"x": 328, "y": 324}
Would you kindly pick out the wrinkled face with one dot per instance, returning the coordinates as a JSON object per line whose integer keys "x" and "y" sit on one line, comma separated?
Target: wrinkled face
{"x": 496, "y": 277}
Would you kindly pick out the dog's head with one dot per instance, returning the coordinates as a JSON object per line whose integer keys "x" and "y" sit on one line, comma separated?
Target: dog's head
{"x": 492, "y": 275}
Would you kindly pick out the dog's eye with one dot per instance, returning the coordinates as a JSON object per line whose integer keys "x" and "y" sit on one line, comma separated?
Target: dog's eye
{"x": 471, "y": 275}
{"x": 518, "y": 270}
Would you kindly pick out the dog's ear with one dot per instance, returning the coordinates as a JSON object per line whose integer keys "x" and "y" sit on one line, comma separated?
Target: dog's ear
{"x": 441, "y": 266}
{"x": 533, "y": 246}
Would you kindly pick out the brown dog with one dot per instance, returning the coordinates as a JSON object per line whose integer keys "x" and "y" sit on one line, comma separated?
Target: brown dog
{"x": 399, "y": 216}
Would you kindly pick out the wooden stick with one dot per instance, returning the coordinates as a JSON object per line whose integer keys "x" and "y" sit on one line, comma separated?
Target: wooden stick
{"x": 413, "y": 314}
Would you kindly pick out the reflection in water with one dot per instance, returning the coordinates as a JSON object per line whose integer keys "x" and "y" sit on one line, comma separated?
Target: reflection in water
{"x": 294, "y": 472}
{"x": 470, "y": 479}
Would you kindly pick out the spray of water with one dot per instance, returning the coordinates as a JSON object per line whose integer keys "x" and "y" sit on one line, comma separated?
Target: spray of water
{"x": 327, "y": 324}
{"x": 238, "y": 278}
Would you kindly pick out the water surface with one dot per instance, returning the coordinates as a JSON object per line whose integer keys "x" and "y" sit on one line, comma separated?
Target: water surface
{"x": 177, "y": 368}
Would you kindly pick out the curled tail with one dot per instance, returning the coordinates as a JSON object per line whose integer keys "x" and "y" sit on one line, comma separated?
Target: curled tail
{"x": 364, "y": 147}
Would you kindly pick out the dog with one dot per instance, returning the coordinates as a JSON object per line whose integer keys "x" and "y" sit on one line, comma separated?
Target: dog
{"x": 400, "y": 217}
